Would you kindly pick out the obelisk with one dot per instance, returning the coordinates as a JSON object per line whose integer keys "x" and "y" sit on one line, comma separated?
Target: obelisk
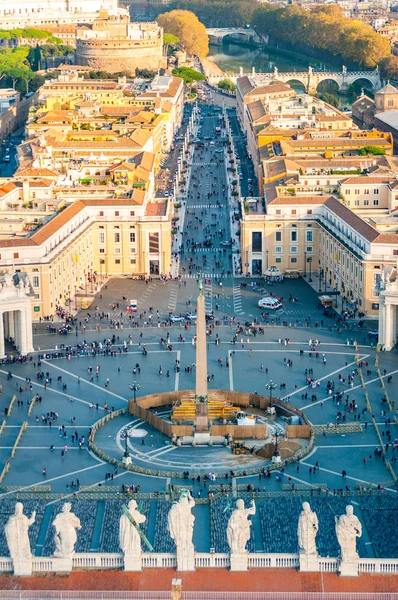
{"x": 201, "y": 389}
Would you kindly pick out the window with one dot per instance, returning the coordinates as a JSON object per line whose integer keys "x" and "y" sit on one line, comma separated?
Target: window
{"x": 101, "y": 213}
{"x": 117, "y": 261}
{"x": 293, "y": 249}
{"x": 133, "y": 250}
{"x": 356, "y": 202}
{"x": 308, "y": 236}
{"x": 35, "y": 281}
{"x": 16, "y": 254}
{"x": 279, "y": 212}
{"x": 375, "y": 202}
{"x": 395, "y": 252}
{"x": 116, "y": 213}
{"x": 278, "y": 236}
{"x": 376, "y": 192}
{"x": 116, "y": 237}
{"x": 309, "y": 211}
{"x": 278, "y": 260}
{"x": 278, "y": 249}
{"x": 366, "y": 202}
{"x": 256, "y": 241}
{"x": 347, "y": 192}
{"x": 101, "y": 237}
{"x": 154, "y": 242}
{"x": 117, "y": 250}
{"x": 293, "y": 236}
{"x": 293, "y": 260}
{"x": 132, "y": 213}
{"x": 308, "y": 249}
{"x": 132, "y": 261}
{"x": 366, "y": 192}
{"x": 102, "y": 250}
{"x": 390, "y": 102}
{"x": 132, "y": 237}
{"x": 294, "y": 212}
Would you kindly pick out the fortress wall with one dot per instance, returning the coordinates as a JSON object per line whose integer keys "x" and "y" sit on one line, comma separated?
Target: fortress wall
{"x": 120, "y": 54}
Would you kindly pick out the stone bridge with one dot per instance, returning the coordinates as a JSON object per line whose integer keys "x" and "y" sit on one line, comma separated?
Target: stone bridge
{"x": 237, "y": 34}
{"x": 310, "y": 79}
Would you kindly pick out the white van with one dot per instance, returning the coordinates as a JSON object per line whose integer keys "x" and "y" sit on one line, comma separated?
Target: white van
{"x": 269, "y": 303}
{"x": 133, "y": 306}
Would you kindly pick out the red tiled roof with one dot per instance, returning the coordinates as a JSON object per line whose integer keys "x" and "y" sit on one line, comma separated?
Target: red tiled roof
{"x": 386, "y": 238}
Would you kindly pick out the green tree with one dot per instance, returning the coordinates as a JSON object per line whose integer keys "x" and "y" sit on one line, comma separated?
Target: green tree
{"x": 184, "y": 25}
{"x": 188, "y": 75}
{"x": 227, "y": 84}
{"x": 375, "y": 150}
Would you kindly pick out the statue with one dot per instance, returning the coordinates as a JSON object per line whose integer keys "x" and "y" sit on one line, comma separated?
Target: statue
{"x": 65, "y": 524}
{"x": 7, "y": 280}
{"x": 344, "y": 70}
{"x": 180, "y": 526}
{"x": 276, "y": 73}
{"x": 238, "y": 530}
{"x": 307, "y": 530}
{"x": 16, "y": 531}
{"x": 129, "y": 538}
{"x": 348, "y": 528}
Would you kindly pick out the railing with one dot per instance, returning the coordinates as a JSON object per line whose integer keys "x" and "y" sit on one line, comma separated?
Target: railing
{"x": 24, "y": 426}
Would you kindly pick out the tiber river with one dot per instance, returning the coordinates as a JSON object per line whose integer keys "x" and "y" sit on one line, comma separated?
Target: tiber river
{"x": 229, "y": 57}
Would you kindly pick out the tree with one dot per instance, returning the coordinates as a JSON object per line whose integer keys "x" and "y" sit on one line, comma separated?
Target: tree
{"x": 188, "y": 75}
{"x": 170, "y": 40}
{"x": 227, "y": 84}
{"x": 329, "y": 99}
{"x": 188, "y": 29}
{"x": 389, "y": 67}
{"x": 375, "y": 150}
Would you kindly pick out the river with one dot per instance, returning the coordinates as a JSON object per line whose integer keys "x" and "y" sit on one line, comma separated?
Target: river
{"x": 229, "y": 57}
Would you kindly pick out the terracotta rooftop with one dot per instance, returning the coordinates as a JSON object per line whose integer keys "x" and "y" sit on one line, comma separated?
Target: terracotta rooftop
{"x": 299, "y": 200}
{"x": 386, "y": 238}
{"x": 352, "y": 219}
{"x": 365, "y": 180}
{"x": 156, "y": 209}
{"x": 255, "y": 580}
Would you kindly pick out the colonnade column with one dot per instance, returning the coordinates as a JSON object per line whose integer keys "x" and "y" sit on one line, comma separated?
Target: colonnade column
{"x": 17, "y": 337}
{"x": 11, "y": 327}
{"x": 26, "y": 343}
{"x": 2, "y": 348}
{"x": 388, "y": 327}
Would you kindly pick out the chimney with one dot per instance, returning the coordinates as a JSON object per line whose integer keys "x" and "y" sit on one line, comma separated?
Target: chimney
{"x": 176, "y": 589}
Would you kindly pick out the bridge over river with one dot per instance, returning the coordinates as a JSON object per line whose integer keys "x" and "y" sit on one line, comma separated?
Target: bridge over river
{"x": 310, "y": 79}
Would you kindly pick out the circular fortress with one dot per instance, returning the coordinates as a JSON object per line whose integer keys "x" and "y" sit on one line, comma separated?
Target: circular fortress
{"x": 114, "y": 44}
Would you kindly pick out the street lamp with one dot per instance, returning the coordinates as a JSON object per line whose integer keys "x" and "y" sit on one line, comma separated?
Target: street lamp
{"x": 270, "y": 386}
{"x": 126, "y": 456}
{"x": 305, "y": 264}
{"x": 276, "y": 458}
{"x": 320, "y": 279}
{"x": 134, "y": 387}
{"x": 310, "y": 262}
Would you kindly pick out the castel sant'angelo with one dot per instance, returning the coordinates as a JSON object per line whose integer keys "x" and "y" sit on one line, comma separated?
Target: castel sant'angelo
{"x": 113, "y": 42}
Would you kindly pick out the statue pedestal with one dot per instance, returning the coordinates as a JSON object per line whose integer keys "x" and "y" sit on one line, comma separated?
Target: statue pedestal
{"x": 239, "y": 562}
{"x": 348, "y": 569}
{"x": 308, "y": 562}
{"x": 132, "y": 562}
{"x": 62, "y": 565}
{"x": 276, "y": 460}
{"x": 126, "y": 460}
{"x": 22, "y": 566}
{"x": 185, "y": 561}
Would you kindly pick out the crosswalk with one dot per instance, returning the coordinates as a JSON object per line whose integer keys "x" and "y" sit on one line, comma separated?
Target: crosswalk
{"x": 148, "y": 291}
{"x": 237, "y": 300}
{"x": 172, "y": 299}
{"x": 196, "y": 250}
{"x": 204, "y": 275}
{"x": 189, "y": 206}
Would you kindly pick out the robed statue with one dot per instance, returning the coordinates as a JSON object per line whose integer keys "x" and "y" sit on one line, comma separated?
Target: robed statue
{"x": 238, "y": 529}
{"x": 307, "y": 530}
{"x": 180, "y": 526}
{"x": 129, "y": 538}
{"x": 348, "y": 529}
{"x": 16, "y": 530}
{"x": 65, "y": 537}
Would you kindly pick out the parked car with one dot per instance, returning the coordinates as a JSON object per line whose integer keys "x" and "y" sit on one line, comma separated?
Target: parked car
{"x": 190, "y": 316}
{"x": 373, "y": 333}
{"x": 177, "y": 318}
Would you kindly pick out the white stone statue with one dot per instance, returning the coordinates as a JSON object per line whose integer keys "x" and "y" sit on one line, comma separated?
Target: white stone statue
{"x": 7, "y": 280}
{"x": 180, "y": 526}
{"x": 348, "y": 529}
{"x": 65, "y": 524}
{"x": 129, "y": 538}
{"x": 238, "y": 529}
{"x": 307, "y": 530}
{"x": 16, "y": 531}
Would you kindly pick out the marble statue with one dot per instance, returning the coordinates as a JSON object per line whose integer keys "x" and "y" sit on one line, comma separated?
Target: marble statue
{"x": 307, "y": 530}
{"x": 16, "y": 531}
{"x": 238, "y": 529}
{"x": 180, "y": 526}
{"x": 7, "y": 280}
{"x": 65, "y": 524}
{"x": 348, "y": 528}
{"x": 129, "y": 538}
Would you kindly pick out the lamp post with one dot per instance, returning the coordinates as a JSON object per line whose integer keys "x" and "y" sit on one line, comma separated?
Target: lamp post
{"x": 270, "y": 386}
{"x": 310, "y": 263}
{"x": 276, "y": 456}
{"x": 126, "y": 456}
{"x": 320, "y": 279}
{"x": 305, "y": 264}
{"x": 134, "y": 387}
